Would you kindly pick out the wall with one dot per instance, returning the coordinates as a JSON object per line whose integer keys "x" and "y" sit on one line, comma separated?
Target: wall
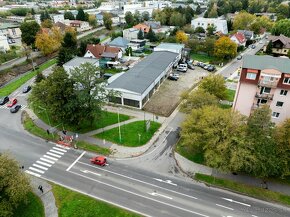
{"x": 284, "y": 110}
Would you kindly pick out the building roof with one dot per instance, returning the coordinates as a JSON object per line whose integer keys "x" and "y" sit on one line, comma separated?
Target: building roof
{"x": 77, "y": 61}
{"x": 248, "y": 34}
{"x": 61, "y": 26}
{"x": 109, "y": 55}
{"x": 285, "y": 40}
{"x": 97, "y": 49}
{"x": 170, "y": 46}
{"x": 119, "y": 42}
{"x": 240, "y": 37}
{"x": 267, "y": 62}
{"x": 153, "y": 24}
{"x": 9, "y": 25}
{"x": 144, "y": 73}
{"x": 142, "y": 27}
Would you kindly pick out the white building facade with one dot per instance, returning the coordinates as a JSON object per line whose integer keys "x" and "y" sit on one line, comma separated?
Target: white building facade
{"x": 221, "y": 25}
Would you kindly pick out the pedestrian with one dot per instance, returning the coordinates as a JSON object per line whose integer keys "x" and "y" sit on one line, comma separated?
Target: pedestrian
{"x": 266, "y": 185}
{"x": 47, "y": 132}
{"x": 40, "y": 188}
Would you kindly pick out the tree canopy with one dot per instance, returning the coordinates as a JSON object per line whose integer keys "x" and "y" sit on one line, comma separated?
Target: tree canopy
{"x": 282, "y": 27}
{"x": 107, "y": 19}
{"x": 29, "y": 31}
{"x": 225, "y": 48}
{"x": 215, "y": 85}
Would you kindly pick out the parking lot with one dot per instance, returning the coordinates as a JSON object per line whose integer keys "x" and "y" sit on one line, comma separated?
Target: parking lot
{"x": 167, "y": 97}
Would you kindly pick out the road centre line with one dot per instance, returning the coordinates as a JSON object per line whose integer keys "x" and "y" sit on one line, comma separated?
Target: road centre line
{"x": 75, "y": 161}
{"x": 130, "y": 192}
{"x": 140, "y": 181}
{"x": 224, "y": 206}
{"x": 133, "y": 158}
{"x": 234, "y": 201}
{"x": 160, "y": 195}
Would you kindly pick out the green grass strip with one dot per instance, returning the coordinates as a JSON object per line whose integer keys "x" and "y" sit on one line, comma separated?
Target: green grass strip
{"x": 10, "y": 88}
{"x": 93, "y": 148}
{"x": 259, "y": 193}
{"x": 73, "y": 204}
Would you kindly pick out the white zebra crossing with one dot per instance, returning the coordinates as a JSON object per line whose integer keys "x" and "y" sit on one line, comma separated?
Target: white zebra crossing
{"x": 47, "y": 160}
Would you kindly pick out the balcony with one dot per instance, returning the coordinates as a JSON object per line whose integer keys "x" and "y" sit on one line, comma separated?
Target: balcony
{"x": 264, "y": 96}
{"x": 264, "y": 83}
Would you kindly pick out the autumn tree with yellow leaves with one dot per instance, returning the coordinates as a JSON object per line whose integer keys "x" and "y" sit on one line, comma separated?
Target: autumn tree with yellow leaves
{"x": 181, "y": 37}
{"x": 225, "y": 48}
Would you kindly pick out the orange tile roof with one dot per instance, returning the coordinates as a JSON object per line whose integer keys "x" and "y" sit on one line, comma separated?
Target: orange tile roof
{"x": 143, "y": 27}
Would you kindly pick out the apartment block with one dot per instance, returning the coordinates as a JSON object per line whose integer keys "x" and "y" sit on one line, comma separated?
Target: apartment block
{"x": 264, "y": 80}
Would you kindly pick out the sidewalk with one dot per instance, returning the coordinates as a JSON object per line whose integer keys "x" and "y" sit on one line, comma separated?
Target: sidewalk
{"x": 46, "y": 197}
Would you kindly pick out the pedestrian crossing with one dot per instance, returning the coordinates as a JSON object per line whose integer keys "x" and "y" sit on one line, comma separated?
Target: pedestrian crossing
{"x": 5, "y": 107}
{"x": 47, "y": 160}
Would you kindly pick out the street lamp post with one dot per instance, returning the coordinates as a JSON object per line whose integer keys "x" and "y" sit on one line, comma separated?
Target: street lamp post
{"x": 120, "y": 138}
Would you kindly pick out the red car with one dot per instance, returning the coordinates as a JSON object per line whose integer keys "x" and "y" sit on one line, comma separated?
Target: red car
{"x": 99, "y": 160}
{"x": 12, "y": 102}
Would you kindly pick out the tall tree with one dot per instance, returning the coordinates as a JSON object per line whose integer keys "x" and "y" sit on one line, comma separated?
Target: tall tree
{"x": 14, "y": 185}
{"x": 46, "y": 24}
{"x": 151, "y": 36}
{"x": 81, "y": 15}
{"x": 181, "y": 37}
{"x": 83, "y": 45}
{"x": 210, "y": 30}
{"x": 269, "y": 48}
{"x": 225, "y": 48}
{"x": 145, "y": 16}
{"x": 140, "y": 34}
{"x": 69, "y": 15}
{"x": 137, "y": 17}
{"x": 177, "y": 19}
{"x": 68, "y": 48}
{"x": 215, "y": 85}
{"x": 129, "y": 19}
{"x": 107, "y": 19}
{"x": 243, "y": 20}
{"x": 29, "y": 31}
{"x": 281, "y": 27}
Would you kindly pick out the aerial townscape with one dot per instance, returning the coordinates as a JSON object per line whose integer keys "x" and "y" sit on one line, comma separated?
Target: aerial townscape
{"x": 164, "y": 108}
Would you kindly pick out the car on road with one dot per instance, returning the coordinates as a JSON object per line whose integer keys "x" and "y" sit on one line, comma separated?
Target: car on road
{"x": 253, "y": 46}
{"x": 206, "y": 66}
{"x": 26, "y": 89}
{"x": 190, "y": 66}
{"x": 15, "y": 109}
{"x": 239, "y": 57}
{"x": 12, "y": 102}
{"x": 4, "y": 100}
{"x": 99, "y": 160}
{"x": 211, "y": 68}
{"x": 182, "y": 67}
{"x": 174, "y": 75}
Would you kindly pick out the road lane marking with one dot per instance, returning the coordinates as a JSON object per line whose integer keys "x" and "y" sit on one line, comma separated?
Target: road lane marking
{"x": 51, "y": 158}
{"x": 37, "y": 170}
{"x": 224, "y": 207}
{"x": 59, "y": 149}
{"x": 45, "y": 164}
{"x": 63, "y": 147}
{"x": 87, "y": 171}
{"x": 93, "y": 196}
{"x": 233, "y": 201}
{"x": 75, "y": 161}
{"x": 32, "y": 173}
{"x": 49, "y": 161}
{"x": 130, "y": 192}
{"x": 165, "y": 181}
{"x": 160, "y": 195}
{"x": 41, "y": 167}
{"x": 57, "y": 152}
{"x": 54, "y": 155}
{"x": 254, "y": 216}
{"x": 137, "y": 180}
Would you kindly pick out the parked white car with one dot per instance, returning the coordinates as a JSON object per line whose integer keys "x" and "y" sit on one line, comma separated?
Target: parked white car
{"x": 182, "y": 67}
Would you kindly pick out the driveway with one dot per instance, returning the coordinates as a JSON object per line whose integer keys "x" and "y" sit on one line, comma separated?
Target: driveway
{"x": 167, "y": 97}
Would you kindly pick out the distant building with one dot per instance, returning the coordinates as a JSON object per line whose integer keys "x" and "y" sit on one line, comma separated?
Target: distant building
{"x": 281, "y": 44}
{"x": 130, "y": 34}
{"x": 97, "y": 50}
{"x": 239, "y": 38}
{"x": 221, "y": 25}
{"x": 80, "y": 26}
{"x": 248, "y": 34}
{"x": 11, "y": 30}
{"x": 171, "y": 47}
{"x": 119, "y": 42}
{"x": 264, "y": 80}
{"x": 4, "y": 46}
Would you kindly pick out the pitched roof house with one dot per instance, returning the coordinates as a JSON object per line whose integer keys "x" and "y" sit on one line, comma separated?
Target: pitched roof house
{"x": 98, "y": 51}
{"x": 281, "y": 44}
{"x": 144, "y": 28}
{"x": 248, "y": 34}
{"x": 239, "y": 38}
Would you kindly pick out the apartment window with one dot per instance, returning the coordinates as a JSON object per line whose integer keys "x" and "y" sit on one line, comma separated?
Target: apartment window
{"x": 266, "y": 90}
{"x": 251, "y": 76}
{"x": 285, "y": 51}
{"x": 275, "y": 114}
{"x": 286, "y": 81}
{"x": 279, "y": 104}
{"x": 283, "y": 92}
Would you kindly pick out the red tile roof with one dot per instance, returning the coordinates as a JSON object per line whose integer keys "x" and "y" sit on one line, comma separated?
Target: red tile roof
{"x": 143, "y": 27}
{"x": 240, "y": 37}
{"x": 97, "y": 49}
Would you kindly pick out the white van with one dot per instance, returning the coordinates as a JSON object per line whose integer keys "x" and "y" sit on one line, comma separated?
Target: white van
{"x": 182, "y": 67}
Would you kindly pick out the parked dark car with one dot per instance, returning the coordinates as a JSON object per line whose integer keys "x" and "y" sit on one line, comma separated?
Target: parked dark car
{"x": 190, "y": 66}
{"x": 253, "y": 46}
{"x": 26, "y": 89}
{"x": 15, "y": 109}
{"x": 211, "y": 68}
{"x": 173, "y": 78}
{"x": 202, "y": 65}
{"x": 4, "y": 100}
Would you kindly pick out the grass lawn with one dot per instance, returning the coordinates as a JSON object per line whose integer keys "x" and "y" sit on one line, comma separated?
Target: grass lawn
{"x": 202, "y": 57}
{"x": 34, "y": 207}
{"x": 260, "y": 193}
{"x": 230, "y": 95}
{"x": 8, "y": 89}
{"x": 106, "y": 119}
{"x": 73, "y": 204}
{"x": 130, "y": 134}
{"x": 111, "y": 71}
{"x": 35, "y": 130}
{"x": 184, "y": 151}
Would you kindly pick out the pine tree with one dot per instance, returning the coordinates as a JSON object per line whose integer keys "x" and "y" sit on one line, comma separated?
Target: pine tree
{"x": 140, "y": 34}
{"x": 269, "y": 47}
